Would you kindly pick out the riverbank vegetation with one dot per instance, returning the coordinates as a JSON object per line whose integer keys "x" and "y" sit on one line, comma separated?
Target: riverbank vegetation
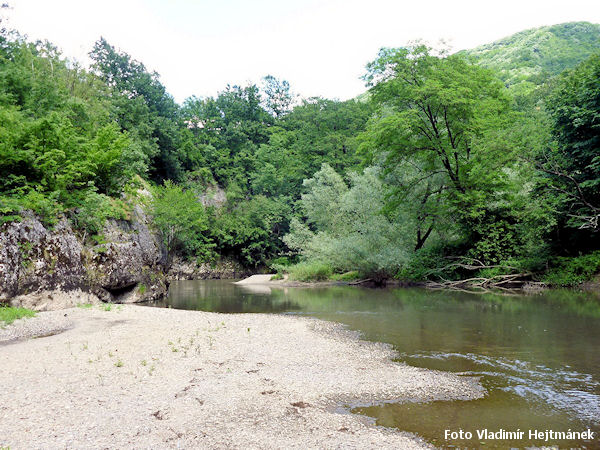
{"x": 483, "y": 164}
{"x": 9, "y": 314}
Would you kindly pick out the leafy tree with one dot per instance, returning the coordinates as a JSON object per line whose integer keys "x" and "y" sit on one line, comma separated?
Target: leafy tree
{"x": 572, "y": 165}
{"x": 439, "y": 130}
{"x": 314, "y": 132}
{"x": 143, "y": 107}
{"x": 251, "y": 230}
{"x": 278, "y": 96}
{"x": 182, "y": 222}
{"x": 229, "y": 129}
{"x": 345, "y": 227}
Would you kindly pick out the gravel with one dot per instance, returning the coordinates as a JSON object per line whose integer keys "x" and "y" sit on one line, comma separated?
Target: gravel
{"x": 47, "y": 324}
{"x": 141, "y": 377}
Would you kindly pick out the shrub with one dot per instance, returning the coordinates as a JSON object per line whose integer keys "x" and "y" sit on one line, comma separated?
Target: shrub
{"x": 310, "y": 271}
{"x": 182, "y": 221}
{"x": 422, "y": 264}
{"x": 570, "y": 271}
{"x": 348, "y": 276}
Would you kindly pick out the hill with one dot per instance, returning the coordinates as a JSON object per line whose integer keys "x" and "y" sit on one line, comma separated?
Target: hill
{"x": 536, "y": 54}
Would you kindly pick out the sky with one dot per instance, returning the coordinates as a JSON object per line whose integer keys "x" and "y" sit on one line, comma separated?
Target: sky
{"x": 320, "y": 46}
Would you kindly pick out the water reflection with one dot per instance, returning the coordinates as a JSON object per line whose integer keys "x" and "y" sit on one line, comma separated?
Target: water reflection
{"x": 537, "y": 355}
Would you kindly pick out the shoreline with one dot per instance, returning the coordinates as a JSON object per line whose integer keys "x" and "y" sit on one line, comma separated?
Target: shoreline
{"x": 532, "y": 288}
{"x": 140, "y": 376}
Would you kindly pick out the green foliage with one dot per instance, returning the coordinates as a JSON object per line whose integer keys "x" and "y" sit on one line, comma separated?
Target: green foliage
{"x": 94, "y": 209}
{"x": 424, "y": 263}
{"x": 573, "y": 165}
{"x": 317, "y": 131}
{"x": 85, "y": 305}
{"x": 437, "y": 116}
{"x": 58, "y": 146}
{"x": 278, "y": 96}
{"x": 457, "y": 164}
{"x": 8, "y": 314}
{"x": 181, "y": 220}
{"x": 229, "y": 129}
{"x": 345, "y": 227}
{"x": 353, "y": 275}
{"x": 571, "y": 271}
{"x": 539, "y": 53}
{"x": 310, "y": 271}
{"x": 250, "y": 229}
{"x": 144, "y": 109}
{"x": 45, "y": 205}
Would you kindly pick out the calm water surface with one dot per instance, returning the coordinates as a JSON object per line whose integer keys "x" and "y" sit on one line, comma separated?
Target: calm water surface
{"x": 538, "y": 356}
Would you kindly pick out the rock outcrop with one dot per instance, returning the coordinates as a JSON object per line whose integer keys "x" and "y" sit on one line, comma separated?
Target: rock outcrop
{"x": 222, "y": 269}
{"x": 42, "y": 268}
{"x": 32, "y": 259}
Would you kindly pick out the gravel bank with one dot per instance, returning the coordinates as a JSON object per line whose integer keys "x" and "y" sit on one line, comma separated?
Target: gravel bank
{"x": 49, "y": 323}
{"x": 142, "y": 377}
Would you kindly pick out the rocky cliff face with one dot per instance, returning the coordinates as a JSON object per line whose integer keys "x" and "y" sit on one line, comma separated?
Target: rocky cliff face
{"x": 191, "y": 270}
{"x": 45, "y": 268}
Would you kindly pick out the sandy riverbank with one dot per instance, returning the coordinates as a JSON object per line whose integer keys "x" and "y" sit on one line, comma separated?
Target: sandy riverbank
{"x": 137, "y": 376}
{"x": 265, "y": 280}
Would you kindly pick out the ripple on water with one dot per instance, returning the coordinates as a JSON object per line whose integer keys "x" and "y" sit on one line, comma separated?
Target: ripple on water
{"x": 563, "y": 388}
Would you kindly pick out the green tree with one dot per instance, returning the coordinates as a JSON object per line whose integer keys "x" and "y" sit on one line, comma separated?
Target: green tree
{"x": 182, "y": 222}
{"x": 574, "y": 164}
{"x": 143, "y": 107}
{"x": 439, "y": 133}
{"x": 345, "y": 228}
{"x": 279, "y": 98}
{"x": 315, "y": 132}
{"x": 229, "y": 129}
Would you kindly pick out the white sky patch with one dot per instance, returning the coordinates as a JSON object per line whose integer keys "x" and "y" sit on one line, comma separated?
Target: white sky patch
{"x": 320, "y": 47}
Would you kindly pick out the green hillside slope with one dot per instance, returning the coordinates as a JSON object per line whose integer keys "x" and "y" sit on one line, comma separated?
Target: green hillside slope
{"x": 536, "y": 54}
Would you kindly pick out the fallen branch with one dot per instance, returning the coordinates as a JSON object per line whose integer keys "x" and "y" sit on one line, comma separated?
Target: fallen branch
{"x": 507, "y": 283}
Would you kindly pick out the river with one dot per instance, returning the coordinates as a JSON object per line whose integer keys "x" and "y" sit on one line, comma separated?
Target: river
{"x": 538, "y": 356}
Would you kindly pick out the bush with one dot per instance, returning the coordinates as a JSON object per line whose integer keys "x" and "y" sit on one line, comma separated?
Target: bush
{"x": 570, "y": 271}
{"x": 94, "y": 209}
{"x": 423, "y": 264}
{"x": 348, "y": 276}
{"x": 310, "y": 271}
{"x": 44, "y": 205}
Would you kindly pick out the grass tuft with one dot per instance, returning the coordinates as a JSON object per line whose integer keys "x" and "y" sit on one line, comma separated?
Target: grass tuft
{"x": 9, "y": 314}
{"x": 310, "y": 271}
{"x": 347, "y": 276}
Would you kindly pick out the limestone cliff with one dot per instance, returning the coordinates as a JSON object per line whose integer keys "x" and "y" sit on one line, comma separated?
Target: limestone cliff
{"x": 45, "y": 268}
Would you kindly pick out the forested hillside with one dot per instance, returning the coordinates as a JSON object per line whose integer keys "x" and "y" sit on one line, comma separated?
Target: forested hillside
{"x": 443, "y": 172}
{"x": 537, "y": 54}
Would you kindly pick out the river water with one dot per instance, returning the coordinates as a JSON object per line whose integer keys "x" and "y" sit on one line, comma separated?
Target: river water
{"x": 538, "y": 356}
